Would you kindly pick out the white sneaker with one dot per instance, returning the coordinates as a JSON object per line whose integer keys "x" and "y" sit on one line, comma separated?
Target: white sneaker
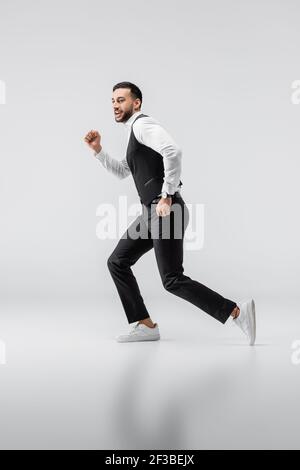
{"x": 140, "y": 332}
{"x": 246, "y": 320}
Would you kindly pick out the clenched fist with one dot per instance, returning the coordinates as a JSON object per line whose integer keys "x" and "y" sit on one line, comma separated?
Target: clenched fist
{"x": 163, "y": 207}
{"x": 93, "y": 139}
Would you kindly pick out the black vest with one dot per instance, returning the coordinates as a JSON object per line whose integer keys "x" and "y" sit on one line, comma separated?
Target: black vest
{"x": 147, "y": 168}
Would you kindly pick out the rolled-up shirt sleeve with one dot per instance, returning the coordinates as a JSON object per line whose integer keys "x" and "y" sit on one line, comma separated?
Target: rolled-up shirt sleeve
{"x": 152, "y": 134}
{"x": 119, "y": 168}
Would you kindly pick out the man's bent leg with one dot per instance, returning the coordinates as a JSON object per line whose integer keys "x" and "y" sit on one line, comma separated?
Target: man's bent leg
{"x": 169, "y": 257}
{"x": 125, "y": 254}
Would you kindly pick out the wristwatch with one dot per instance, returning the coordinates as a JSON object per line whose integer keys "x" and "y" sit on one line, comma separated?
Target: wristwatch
{"x": 164, "y": 194}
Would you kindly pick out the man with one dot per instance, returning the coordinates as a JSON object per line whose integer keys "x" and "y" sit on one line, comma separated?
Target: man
{"x": 154, "y": 161}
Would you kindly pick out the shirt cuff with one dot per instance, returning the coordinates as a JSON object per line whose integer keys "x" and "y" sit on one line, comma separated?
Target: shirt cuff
{"x": 99, "y": 155}
{"x": 169, "y": 188}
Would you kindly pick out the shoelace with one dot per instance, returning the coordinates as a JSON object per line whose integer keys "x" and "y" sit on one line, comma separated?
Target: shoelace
{"x": 134, "y": 328}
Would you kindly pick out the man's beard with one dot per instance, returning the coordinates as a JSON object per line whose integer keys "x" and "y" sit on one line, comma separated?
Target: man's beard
{"x": 126, "y": 115}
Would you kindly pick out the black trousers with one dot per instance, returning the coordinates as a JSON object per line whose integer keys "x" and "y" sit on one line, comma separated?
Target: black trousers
{"x": 165, "y": 235}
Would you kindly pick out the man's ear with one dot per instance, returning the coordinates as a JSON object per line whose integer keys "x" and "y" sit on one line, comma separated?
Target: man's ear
{"x": 137, "y": 100}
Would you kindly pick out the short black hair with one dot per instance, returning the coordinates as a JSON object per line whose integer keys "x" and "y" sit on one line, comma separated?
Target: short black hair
{"x": 135, "y": 91}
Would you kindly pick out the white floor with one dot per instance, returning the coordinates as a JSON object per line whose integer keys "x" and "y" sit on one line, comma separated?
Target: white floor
{"x": 66, "y": 383}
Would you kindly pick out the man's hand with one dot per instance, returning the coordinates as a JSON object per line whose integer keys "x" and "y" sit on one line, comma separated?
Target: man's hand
{"x": 93, "y": 139}
{"x": 163, "y": 207}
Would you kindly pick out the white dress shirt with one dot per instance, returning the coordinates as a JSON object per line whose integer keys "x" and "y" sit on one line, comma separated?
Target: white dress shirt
{"x": 149, "y": 131}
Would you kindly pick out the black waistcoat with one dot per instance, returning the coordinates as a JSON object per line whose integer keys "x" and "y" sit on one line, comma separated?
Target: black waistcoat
{"x": 146, "y": 166}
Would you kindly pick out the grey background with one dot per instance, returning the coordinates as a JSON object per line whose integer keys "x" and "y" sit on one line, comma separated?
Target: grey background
{"x": 217, "y": 75}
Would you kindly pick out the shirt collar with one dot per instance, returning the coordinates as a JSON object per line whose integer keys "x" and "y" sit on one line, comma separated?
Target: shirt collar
{"x": 129, "y": 121}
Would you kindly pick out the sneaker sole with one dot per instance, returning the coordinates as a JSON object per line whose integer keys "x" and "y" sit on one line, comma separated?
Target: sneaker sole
{"x": 252, "y": 319}
{"x": 134, "y": 340}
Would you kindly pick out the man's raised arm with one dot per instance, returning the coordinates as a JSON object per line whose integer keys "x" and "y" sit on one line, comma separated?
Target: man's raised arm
{"x": 119, "y": 168}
